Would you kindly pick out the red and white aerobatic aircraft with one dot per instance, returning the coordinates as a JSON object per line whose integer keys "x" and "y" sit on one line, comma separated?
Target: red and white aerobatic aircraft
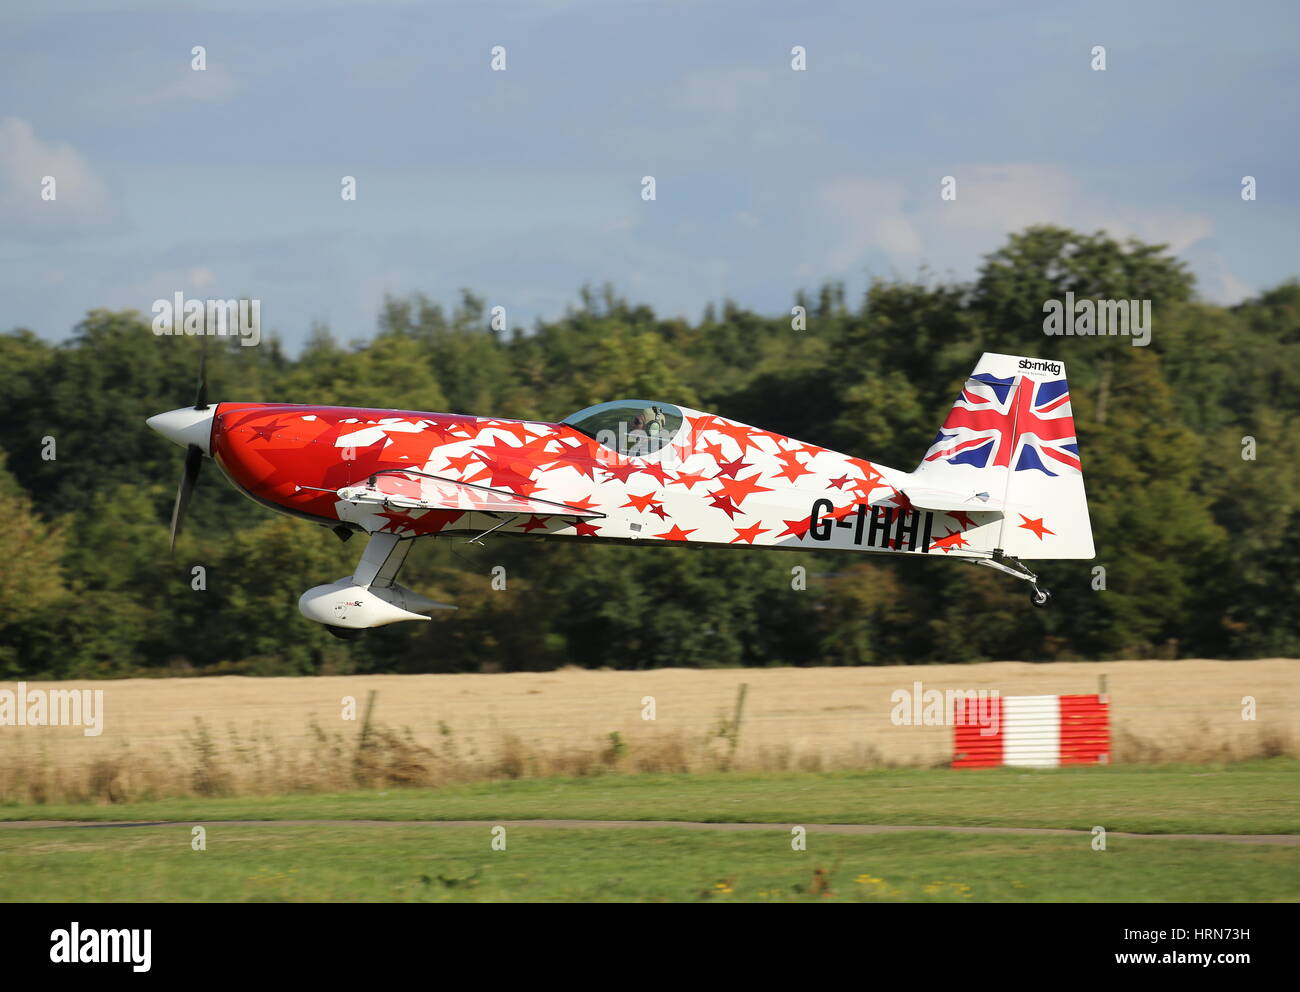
{"x": 1000, "y": 484}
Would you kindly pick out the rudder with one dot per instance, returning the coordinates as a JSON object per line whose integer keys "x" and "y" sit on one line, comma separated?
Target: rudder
{"x": 1009, "y": 444}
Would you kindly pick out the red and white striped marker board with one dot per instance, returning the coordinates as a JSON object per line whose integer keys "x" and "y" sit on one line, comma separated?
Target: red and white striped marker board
{"x": 1031, "y": 731}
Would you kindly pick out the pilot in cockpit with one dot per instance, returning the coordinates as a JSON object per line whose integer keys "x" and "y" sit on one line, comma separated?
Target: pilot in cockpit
{"x": 647, "y": 431}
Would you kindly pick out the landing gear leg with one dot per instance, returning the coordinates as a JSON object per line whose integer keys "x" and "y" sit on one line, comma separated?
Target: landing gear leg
{"x": 1040, "y": 597}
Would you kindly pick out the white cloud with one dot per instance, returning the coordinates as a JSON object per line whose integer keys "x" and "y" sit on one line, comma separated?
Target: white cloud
{"x": 1007, "y": 197}
{"x": 1012, "y": 196}
{"x": 163, "y": 284}
{"x": 1177, "y": 230}
{"x": 898, "y": 237}
{"x": 81, "y": 203}
{"x": 866, "y": 215}
{"x": 862, "y": 218}
{"x": 1219, "y": 284}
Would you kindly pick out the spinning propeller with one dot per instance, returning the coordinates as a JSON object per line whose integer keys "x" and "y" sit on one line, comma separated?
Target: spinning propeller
{"x": 190, "y": 427}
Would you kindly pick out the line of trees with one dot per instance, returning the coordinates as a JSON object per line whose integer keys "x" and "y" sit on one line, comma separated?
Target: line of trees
{"x": 1196, "y": 526}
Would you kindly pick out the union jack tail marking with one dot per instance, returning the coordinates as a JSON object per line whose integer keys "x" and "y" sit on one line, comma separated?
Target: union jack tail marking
{"x": 1009, "y": 421}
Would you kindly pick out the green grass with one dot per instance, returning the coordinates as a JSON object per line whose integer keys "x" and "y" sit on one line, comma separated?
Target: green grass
{"x": 413, "y": 863}
{"x": 1249, "y": 797}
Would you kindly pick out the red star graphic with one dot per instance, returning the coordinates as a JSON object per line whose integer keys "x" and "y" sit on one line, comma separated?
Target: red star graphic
{"x": 747, "y": 534}
{"x": 264, "y": 432}
{"x": 723, "y": 502}
{"x": 793, "y": 467}
{"x": 460, "y": 463}
{"x": 695, "y": 434}
{"x": 677, "y": 534}
{"x": 714, "y": 451}
{"x": 844, "y": 511}
{"x": 657, "y": 471}
{"x": 865, "y": 487}
{"x": 523, "y": 458}
{"x": 681, "y": 451}
{"x": 739, "y": 489}
{"x": 799, "y": 528}
{"x": 732, "y": 468}
{"x": 1036, "y": 526}
{"x": 584, "y": 529}
{"x": 443, "y": 431}
{"x": 950, "y": 541}
{"x": 507, "y": 466}
{"x": 501, "y": 479}
{"x": 516, "y": 427}
{"x": 533, "y": 523}
{"x": 434, "y": 521}
{"x": 429, "y": 522}
{"x": 619, "y": 472}
{"x": 688, "y": 480}
{"x": 640, "y": 503}
{"x": 839, "y": 483}
{"x": 576, "y": 456}
{"x": 236, "y": 419}
{"x": 863, "y": 466}
{"x": 778, "y": 440}
{"x": 961, "y": 518}
{"x": 398, "y": 520}
{"x": 742, "y": 436}
{"x": 803, "y": 447}
{"x": 901, "y": 501}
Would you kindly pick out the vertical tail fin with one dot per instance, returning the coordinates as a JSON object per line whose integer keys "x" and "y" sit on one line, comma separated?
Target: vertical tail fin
{"x": 1009, "y": 444}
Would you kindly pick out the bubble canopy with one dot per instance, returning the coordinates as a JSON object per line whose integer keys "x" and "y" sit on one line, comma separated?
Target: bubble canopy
{"x": 630, "y": 427}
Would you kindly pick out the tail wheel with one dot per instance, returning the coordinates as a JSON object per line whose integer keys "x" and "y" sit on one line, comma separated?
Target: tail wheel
{"x": 1040, "y": 597}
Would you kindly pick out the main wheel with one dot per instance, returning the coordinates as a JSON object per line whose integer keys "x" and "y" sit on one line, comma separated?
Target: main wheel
{"x": 1040, "y": 597}
{"x": 346, "y": 633}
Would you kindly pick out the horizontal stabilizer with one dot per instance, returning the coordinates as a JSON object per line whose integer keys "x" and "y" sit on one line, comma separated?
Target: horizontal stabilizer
{"x": 943, "y": 499}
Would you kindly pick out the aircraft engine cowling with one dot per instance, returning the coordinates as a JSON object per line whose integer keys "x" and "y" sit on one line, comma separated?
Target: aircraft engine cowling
{"x": 353, "y": 607}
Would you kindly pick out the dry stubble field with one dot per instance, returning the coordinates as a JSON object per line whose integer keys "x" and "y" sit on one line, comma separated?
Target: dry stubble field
{"x": 235, "y": 735}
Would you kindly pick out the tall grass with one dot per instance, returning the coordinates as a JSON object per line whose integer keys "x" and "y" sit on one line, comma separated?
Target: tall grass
{"x": 258, "y": 763}
{"x": 1201, "y": 744}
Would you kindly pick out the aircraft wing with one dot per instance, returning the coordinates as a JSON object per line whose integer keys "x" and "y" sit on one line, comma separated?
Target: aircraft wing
{"x": 413, "y": 490}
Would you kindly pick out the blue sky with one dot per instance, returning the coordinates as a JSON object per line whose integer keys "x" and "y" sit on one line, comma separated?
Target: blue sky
{"x": 525, "y": 184}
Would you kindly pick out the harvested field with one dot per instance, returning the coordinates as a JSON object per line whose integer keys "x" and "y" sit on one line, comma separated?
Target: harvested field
{"x": 239, "y": 735}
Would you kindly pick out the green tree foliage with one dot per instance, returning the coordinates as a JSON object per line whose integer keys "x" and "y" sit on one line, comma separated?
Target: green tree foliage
{"x": 1195, "y": 543}
{"x": 32, "y": 590}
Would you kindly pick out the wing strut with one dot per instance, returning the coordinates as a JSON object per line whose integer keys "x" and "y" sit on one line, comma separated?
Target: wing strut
{"x": 384, "y": 555}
